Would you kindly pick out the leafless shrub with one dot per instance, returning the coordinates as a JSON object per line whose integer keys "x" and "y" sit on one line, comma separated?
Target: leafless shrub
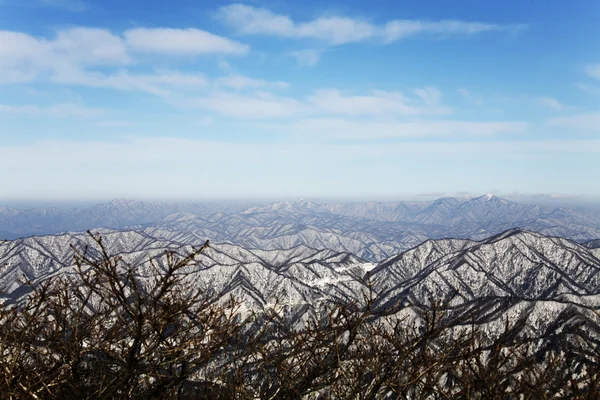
{"x": 107, "y": 332}
{"x": 113, "y": 330}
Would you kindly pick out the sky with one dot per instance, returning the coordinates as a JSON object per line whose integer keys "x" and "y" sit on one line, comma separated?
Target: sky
{"x": 283, "y": 99}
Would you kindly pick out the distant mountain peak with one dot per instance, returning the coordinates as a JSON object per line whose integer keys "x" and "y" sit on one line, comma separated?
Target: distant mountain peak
{"x": 120, "y": 201}
{"x": 486, "y": 197}
{"x": 281, "y": 206}
{"x": 307, "y": 203}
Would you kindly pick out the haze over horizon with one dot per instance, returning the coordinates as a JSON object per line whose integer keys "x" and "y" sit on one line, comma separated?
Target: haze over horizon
{"x": 551, "y": 201}
{"x": 271, "y": 99}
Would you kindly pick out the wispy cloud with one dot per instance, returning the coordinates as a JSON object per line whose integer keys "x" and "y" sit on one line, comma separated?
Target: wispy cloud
{"x": 257, "y": 105}
{"x": 593, "y": 90}
{"x": 260, "y": 104}
{"x": 244, "y": 82}
{"x": 429, "y": 95}
{"x": 378, "y": 103}
{"x": 433, "y": 194}
{"x": 471, "y": 97}
{"x": 589, "y": 122}
{"x": 112, "y": 123}
{"x": 551, "y": 196}
{"x": 181, "y": 41}
{"x": 337, "y": 30}
{"x": 160, "y": 83}
{"x": 373, "y": 130}
{"x": 307, "y": 57}
{"x": 397, "y": 30}
{"x": 593, "y": 71}
{"x": 550, "y": 102}
{"x": 55, "y": 111}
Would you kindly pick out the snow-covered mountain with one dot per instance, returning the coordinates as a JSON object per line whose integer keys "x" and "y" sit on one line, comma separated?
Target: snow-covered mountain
{"x": 116, "y": 214}
{"x": 297, "y": 276}
{"x": 541, "y": 282}
{"x": 371, "y": 230}
{"x": 375, "y": 231}
{"x": 545, "y": 282}
{"x": 515, "y": 263}
{"x": 535, "y": 291}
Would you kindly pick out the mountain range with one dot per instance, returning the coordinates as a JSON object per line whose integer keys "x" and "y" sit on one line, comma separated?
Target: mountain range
{"x": 544, "y": 283}
{"x": 534, "y": 264}
{"x": 372, "y": 231}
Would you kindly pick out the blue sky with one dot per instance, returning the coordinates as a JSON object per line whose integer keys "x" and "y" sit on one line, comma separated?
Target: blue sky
{"x": 280, "y": 99}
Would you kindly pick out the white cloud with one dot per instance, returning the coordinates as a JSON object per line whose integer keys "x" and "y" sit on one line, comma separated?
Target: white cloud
{"x": 336, "y": 30}
{"x": 581, "y": 122}
{"x": 89, "y": 46}
{"x": 550, "y": 102}
{"x": 397, "y": 30}
{"x": 112, "y": 123}
{"x": 259, "y": 105}
{"x": 471, "y": 97}
{"x": 181, "y": 41}
{"x": 24, "y": 57}
{"x": 70, "y": 56}
{"x": 593, "y": 71}
{"x": 335, "y": 128}
{"x": 160, "y": 83}
{"x": 589, "y": 89}
{"x": 377, "y": 103}
{"x": 55, "y": 111}
{"x": 542, "y": 196}
{"x": 264, "y": 105}
{"x": 339, "y": 30}
{"x": 78, "y": 45}
{"x": 430, "y": 95}
{"x": 248, "y": 19}
{"x": 307, "y": 57}
{"x": 244, "y": 82}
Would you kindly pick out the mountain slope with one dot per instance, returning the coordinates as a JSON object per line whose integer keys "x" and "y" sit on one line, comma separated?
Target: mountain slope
{"x": 296, "y": 276}
{"x": 543, "y": 283}
{"x": 515, "y": 263}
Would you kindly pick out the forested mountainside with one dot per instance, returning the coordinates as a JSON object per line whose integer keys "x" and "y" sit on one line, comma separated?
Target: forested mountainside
{"x": 514, "y": 273}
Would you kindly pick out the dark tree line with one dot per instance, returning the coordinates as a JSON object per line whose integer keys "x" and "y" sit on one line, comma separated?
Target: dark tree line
{"x": 110, "y": 330}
